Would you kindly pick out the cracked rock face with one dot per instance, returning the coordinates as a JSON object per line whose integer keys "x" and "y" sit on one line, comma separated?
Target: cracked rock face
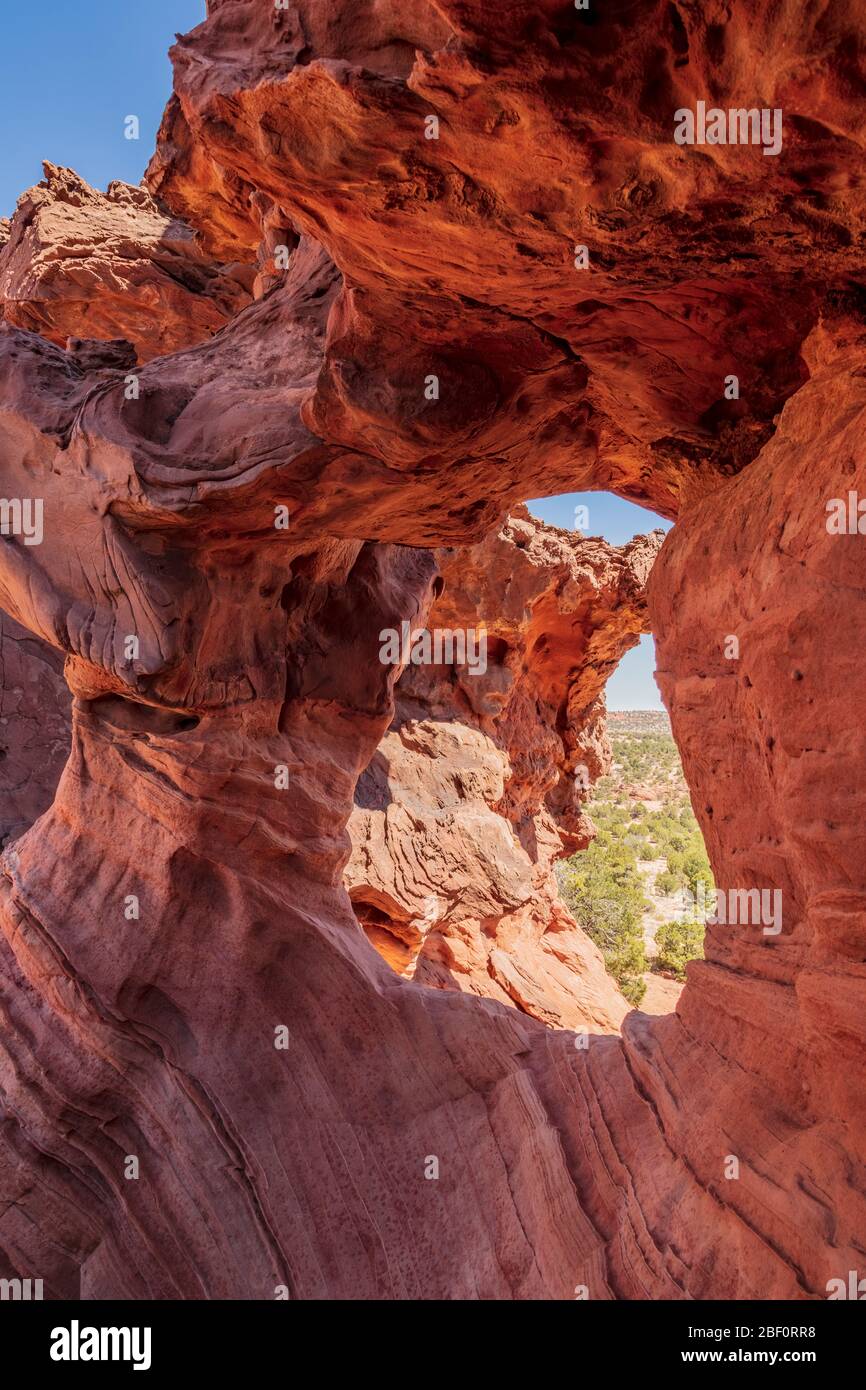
{"x": 182, "y": 977}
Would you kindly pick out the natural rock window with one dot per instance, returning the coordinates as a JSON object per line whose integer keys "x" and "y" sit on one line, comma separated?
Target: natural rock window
{"x": 271, "y": 400}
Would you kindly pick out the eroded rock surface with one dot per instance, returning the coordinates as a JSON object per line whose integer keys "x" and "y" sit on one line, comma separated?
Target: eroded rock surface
{"x": 770, "y": 1029}
{"x": 175, "y": 917}
{"x": 34, "y": 727}
{"x": 78, "y": 263}
{"x": 478, "y": 786}
{"x": 555, "y": 130}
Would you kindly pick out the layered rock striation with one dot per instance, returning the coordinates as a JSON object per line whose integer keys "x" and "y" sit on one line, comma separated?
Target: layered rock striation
{"x": 478, "y": 786}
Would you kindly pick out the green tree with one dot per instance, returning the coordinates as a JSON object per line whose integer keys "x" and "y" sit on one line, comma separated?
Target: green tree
{"x": 667, "y": 883}
{"x": 604, "y": 892}
{"x": 678, "y": 943}
{"x": 696, "y": 867}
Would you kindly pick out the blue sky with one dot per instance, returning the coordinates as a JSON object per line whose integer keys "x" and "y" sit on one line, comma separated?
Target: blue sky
{"x": 632, "y": 685}
{"x": 70, "y": 72}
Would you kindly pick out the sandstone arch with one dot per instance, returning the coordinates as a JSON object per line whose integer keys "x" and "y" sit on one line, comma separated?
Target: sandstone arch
{"x": 154, "y": 1036}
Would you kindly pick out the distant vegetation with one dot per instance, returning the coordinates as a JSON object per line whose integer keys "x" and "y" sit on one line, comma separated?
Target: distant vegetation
{"x": 642, "y": 814}
{"x": 678, "y": 943}
{"x": 604, "y": 891}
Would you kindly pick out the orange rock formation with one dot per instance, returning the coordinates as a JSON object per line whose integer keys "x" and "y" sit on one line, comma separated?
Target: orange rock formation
{"x": 505, "y": 277}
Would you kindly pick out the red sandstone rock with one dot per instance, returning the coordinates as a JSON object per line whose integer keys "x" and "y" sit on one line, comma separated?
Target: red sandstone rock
{"x": 153, "y": 1035}
{"x": 478, "y": 786}
{"x": 555, "y": 130}
{"x": 34, "y": 727}
{"x": 770, "y": 1028}
{"x": 83, "y": 264}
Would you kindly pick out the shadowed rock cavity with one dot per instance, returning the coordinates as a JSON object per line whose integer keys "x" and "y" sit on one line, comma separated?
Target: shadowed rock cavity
{"x": 430, "y": 357}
